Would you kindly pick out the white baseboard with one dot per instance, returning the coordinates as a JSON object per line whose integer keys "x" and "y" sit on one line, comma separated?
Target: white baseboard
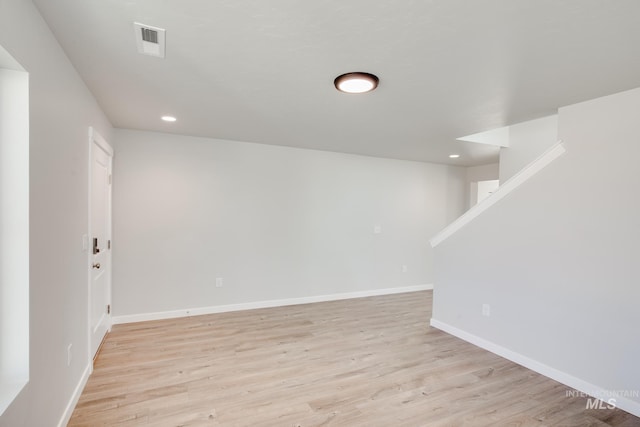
{"x": 131, "y": 318}
{"x": 68, "y": 411}
{"x": 585, "y": 387}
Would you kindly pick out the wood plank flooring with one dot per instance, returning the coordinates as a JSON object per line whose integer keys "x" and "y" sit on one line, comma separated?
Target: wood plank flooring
{"x": 361, "y": 362}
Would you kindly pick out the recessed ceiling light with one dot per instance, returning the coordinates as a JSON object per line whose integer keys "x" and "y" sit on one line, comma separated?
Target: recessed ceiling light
{"x": 356, "y": 82}
{"x": 169, "y": 118}
{"x": 454, "y": 156}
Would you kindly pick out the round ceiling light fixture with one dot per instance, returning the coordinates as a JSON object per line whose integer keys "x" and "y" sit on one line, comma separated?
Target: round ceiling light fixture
{"x": 454, "y": 156}
{"x": 168, "y": 118}
{"x": 356, "y": 82}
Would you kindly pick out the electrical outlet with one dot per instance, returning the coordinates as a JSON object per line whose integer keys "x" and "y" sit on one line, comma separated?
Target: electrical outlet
{"x": 219, "y": 282}
{"x": 486, "y": 310}
{"x": 404, "y": 268}
{"x": 377, "y": 229}
{"x": 69, "y": 354}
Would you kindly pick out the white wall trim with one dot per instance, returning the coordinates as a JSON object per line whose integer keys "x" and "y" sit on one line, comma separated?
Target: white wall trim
{"x": 511, "y": 184}
{"x": 623, "y": 403}
{"x": 68, "y": 411}
{"x": 131, "y": 318}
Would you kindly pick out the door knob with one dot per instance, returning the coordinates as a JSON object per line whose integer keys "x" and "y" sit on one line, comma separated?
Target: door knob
{"x": 96, "y": 265}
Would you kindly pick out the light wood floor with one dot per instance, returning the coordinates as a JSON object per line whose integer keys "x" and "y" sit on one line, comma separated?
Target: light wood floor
{"x": 362, "y": 362}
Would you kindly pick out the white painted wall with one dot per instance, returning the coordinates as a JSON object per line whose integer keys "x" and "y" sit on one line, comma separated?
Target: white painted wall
{"x": 274, "y": 222}
{"x": 557, "y": 259}
{"x": 483, "y": 172}
{"x": 61, "y": 111}
{"x": 527, "y": 141}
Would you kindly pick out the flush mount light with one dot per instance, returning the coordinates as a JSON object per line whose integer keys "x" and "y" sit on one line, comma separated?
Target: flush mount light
{"x": 169, "y": 118}
{"x": 454, "y": 156}
{"x": 356, "y": 82}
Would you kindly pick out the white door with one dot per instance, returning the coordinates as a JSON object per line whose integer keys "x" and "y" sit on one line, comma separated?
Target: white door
{"x": 101, "y": 155}
{"x": 487, "y": 188}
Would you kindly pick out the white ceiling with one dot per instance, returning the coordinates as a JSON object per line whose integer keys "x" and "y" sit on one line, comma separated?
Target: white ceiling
{"x": 262, "y": 70}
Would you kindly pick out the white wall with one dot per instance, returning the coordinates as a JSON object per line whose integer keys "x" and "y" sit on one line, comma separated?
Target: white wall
{"x": 274, "y": 222}
{"x": 557, "y": 259}
{"x": 61, "y": 111}
{"x": 483, "y": 172}
{"x": 527, "y": 141}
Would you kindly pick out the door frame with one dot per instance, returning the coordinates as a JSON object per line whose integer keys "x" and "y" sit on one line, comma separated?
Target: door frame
{"x": 95, "y": 139}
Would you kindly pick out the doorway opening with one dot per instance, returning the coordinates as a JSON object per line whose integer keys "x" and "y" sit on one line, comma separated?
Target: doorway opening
{"x": 14, "y": 229}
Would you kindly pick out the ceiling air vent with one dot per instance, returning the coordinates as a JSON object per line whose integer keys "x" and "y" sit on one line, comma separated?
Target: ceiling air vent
{"x": 150, "y": 40}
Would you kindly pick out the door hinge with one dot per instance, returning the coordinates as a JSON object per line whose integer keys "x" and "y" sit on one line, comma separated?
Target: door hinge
{"x": 108, "y": 244}
{"x": 108, "y": 308}
{"x": 110, "y": 178}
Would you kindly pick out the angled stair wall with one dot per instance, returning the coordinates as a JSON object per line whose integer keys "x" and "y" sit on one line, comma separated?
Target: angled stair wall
{"x": 556, "y": 260}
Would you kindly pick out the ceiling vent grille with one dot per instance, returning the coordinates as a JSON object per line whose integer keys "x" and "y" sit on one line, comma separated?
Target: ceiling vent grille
{"x": 150, "y": 40}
